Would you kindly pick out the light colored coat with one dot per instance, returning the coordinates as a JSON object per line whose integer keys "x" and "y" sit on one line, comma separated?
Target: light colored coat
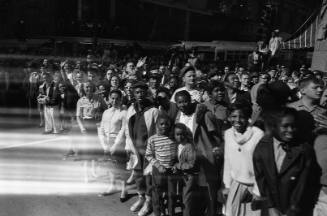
{"x": 150, "y": 117}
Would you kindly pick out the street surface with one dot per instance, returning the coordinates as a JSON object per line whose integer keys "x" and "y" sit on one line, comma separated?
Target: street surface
{"x": 36, "y": 181}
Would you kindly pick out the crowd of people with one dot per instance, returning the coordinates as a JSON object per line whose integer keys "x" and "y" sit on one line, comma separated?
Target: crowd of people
{"x": 213, "y": 140}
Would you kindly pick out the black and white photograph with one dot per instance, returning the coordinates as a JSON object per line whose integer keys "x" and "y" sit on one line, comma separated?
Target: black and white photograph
{"x": 163, "y": 107}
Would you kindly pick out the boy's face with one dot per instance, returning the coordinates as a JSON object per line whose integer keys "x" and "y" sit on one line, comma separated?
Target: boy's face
{"x": 163, "y": 126}
{"x": 313, "y": 90}
{"x": 139, "y": 94}
{"x": 179, "y": 135}
{"x": 218, "y": 94}
{"x": 285, "y": 129}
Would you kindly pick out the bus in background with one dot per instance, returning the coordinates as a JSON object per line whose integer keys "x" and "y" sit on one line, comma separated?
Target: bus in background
{"x": 226, "y": 52}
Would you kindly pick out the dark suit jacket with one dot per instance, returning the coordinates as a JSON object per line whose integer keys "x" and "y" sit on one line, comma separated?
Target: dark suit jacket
{"x": 54, "y": 95}
{"x": 295, "y": 186}
{"x": 241, "y": 97}
{"x": 71, "y": 98}
{"x": 206, "y": 136}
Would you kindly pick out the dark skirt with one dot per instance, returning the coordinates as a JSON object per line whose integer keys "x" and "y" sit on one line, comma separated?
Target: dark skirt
{"x": 89, "y": 147}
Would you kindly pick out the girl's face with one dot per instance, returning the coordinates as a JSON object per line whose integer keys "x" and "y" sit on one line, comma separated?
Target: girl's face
{"x": 179, "y": 135}
{"x": 285, "y": 129}
{"x": 88, "y": 88}
{"x": 183, "y": 103}
{"x": 218, "y": 94}
{"x": 239, "y": 121}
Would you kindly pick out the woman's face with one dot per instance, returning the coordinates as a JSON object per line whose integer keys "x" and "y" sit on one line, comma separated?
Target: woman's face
{"x": 189, "y": 78}
{"x": 239, "y": 121}
{"x": 183, "y": 103}
{"x": 109, "y": 74}
{"x": 88, "y": 88}
{"x": 115, "y": 100}
{"x": 114, "y": 82}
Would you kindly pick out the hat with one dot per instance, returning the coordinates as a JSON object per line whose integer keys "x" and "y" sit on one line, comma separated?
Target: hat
{"x": 186, "y": 69}
{"x": 141, "y": 85}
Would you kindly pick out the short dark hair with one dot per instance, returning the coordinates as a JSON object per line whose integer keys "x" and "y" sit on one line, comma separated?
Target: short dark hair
{"x": 163, "y": 115}
{"x": 183, "y": 93}
{"x": 244, "y": 106}
{"x": 186, "y": 131}
{"x": 164, "y": 90}
{"x": 273, "y": 117}
{"x": 116, "y": 91}
{"x": 215, "y": 84}
{"x": 306, "y": 81}
{"x": 228, "y": 75}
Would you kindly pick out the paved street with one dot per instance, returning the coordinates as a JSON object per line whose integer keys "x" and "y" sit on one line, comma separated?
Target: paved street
{"x": 36, "y": 181}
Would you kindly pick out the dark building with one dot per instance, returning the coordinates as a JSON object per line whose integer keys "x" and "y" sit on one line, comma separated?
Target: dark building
{"x": 162, "y": 20}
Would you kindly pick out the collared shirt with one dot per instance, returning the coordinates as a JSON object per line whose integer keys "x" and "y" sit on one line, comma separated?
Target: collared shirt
{"x": 279, "y": 153}
{"x": 315, "y": 110}
{"x": 187, "y": 120}
{"x": 112, "y": 121}
{"x": 87, "y": 109}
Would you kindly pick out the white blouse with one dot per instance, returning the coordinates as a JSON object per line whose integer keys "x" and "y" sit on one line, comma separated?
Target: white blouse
{"x": 112, "y": 126}
{"x": 238, "y": 165}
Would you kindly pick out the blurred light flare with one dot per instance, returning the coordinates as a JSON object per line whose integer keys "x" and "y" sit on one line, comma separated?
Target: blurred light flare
{"x": 41, "y": 173}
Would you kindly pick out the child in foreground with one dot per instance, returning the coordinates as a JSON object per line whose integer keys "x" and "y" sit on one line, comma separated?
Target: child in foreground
{"x": 187, "y": 167}
{"x": 161, "y": 153}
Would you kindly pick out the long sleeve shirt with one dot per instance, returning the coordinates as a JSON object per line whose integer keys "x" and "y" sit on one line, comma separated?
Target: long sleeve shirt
{"x": 112, "y": 126}
{"x": 238, "y": 163}
{"x": 161, "y": 151}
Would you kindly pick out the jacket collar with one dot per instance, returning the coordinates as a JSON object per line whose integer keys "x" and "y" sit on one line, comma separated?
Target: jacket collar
{"x": 291, "y": 156}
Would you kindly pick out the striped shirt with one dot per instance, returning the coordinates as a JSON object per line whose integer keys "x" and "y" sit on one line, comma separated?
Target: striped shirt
{"x": 161, "y": 151}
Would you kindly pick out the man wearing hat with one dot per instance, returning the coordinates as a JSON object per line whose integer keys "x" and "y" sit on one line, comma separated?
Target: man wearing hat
{"x": 141, "y": 118}
{"x": 189, "y": 79}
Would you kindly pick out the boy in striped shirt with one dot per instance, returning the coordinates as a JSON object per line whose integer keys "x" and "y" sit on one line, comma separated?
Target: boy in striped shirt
{"x": 161, "y": 152}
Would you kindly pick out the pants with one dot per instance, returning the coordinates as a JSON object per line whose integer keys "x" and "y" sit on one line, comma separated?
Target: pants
{"x": 321, "y": 206}
{"x": 163, "y": 182}
{"x": 206, "y": 199}
{"x": 143, "y": 182}
{"x": 190, "y": 192}
{"x": 239, "y": 201}
{"x": 51, "y": 118}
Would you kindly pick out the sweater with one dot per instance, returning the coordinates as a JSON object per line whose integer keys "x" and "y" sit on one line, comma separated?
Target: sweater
{"x": 238, "y": 163}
